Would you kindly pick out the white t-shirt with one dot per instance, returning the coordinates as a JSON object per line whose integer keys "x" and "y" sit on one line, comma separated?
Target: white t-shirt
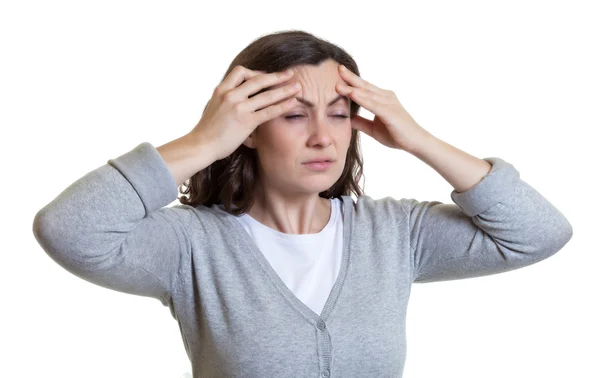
{"x": 307, "y": 263}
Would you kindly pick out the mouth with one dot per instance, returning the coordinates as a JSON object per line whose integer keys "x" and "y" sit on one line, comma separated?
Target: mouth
{"x": 319, "y": 161}
{"x": 318, "y": 165}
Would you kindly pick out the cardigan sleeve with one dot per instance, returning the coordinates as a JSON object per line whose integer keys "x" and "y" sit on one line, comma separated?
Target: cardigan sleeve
{"x": 498, "y": 225}
{"x": 112, "y": 228}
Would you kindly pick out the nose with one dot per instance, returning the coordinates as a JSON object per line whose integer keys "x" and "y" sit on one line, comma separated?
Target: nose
{"x": 320, "y": 133}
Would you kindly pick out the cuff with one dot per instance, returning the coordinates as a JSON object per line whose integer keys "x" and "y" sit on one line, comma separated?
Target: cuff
{"x": 149, "y": 175}
{"x": 494, "y": 187}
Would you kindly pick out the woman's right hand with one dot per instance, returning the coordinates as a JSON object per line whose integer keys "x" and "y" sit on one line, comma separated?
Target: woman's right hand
{"x": 231, "y": 116}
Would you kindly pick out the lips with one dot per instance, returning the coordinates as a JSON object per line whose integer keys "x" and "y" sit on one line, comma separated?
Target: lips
{"x": 319, "y": 160}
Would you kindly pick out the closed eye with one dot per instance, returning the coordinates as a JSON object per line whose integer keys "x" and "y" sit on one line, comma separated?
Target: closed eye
{"x": 301, "y": 116}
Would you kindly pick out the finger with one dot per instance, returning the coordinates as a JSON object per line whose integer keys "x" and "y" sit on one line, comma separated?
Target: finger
{"x": 263, "y": 83}
{"x": 273, "y": 111}
{"x": 369, "y": 100}
{"x": 235, "y": 78}
{"x": 362, "y": 124}
{"x": 359, "y": 93}
{"x": 272, "y": 96}
{"x": 356, "y": 81}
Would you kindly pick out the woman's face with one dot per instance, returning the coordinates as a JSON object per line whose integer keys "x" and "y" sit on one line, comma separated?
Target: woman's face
{"x": 284, "y": 144}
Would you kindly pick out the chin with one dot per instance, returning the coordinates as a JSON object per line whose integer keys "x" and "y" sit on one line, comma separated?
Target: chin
{"x": 317, "y": 184}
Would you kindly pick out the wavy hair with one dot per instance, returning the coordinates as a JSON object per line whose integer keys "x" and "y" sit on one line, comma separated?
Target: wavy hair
{"x": 231, "y": 181}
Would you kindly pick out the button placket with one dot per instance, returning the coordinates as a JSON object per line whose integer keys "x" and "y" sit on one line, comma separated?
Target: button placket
{"x": 321, "y": 325}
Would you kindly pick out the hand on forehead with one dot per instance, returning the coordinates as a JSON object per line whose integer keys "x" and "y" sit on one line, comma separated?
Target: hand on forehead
{"x": 318, "y": 82}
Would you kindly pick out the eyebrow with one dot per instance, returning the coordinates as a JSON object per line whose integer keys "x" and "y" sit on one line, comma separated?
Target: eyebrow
{"x": 311, "y": 105}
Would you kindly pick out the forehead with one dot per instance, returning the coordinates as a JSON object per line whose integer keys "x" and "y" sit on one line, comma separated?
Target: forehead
{"x": 322, "y": 77}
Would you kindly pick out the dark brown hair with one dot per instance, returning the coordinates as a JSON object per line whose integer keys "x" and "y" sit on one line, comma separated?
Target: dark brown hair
{"x": 232, "y": 180}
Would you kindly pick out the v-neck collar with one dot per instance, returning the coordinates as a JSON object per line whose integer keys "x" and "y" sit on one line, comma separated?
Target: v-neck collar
{"x": 297, "y": 239}
{"x": 278, "y": 282}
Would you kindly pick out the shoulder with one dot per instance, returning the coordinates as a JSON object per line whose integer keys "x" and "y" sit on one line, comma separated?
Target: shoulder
{"x": 386, "y": 208}
{"x": 200, "y": 214}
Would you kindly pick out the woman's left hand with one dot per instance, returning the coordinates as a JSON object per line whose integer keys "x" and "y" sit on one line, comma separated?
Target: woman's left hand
{"x": 392, "y": 125}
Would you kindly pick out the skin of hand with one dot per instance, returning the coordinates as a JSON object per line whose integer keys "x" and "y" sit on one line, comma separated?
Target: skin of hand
{"x": 392, "y": 126}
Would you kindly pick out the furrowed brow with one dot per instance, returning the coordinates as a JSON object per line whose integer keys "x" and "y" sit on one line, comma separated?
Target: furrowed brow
{"x": 311, "y": 105}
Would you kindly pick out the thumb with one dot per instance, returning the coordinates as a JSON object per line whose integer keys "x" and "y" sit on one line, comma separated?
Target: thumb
{"x": 362, "y": 124}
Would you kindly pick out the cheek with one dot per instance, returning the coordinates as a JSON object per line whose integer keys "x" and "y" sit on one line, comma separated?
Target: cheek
{"x": 283, "y": 145}
{"x": 279, "y": 152}
{"x": 345, "y": 134}
{"x": 275, "y": 137}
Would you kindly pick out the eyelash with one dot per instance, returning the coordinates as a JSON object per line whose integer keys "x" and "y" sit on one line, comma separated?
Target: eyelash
{"x": 296, "y": 116}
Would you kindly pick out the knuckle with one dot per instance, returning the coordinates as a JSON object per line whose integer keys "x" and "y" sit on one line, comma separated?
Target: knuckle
{"x": 229, "y": 97}
{"x": 279, "y": 108}
{"x": 266, "y": 112}
{"x": 238, "y": 108}
{"x": 271, "y": 95}
{"x": 278, "y": 75}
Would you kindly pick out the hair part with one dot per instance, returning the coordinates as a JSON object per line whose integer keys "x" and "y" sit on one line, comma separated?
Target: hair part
{"x": 232, "y": 180}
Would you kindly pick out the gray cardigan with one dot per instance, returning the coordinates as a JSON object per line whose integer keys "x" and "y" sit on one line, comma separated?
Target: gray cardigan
{"x": 112, "y": 227}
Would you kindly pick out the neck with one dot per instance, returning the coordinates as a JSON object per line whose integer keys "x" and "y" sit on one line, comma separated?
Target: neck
{"x": 300, "y": 214}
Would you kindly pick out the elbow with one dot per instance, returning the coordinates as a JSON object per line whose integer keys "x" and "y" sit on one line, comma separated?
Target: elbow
{"x": 557, "y": 240}
{"x": 41, "y": 229}
{"x": 49, "y": 231}
{"x": 566, "y": 234}
{"x": 45, "y": 231}
{"x": 544, "y": 241}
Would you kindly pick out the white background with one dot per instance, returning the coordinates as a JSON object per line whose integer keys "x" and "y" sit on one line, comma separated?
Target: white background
{"x": 82, "y": 82}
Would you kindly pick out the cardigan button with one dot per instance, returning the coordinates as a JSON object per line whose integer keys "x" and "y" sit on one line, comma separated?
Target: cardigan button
{"x": 321, "y": 325}
{"x": 325, "y": 373}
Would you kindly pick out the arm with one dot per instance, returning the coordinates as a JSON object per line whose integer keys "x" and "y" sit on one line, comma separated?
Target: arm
{"x": 459, "y": 168}
{"x": 182, "y": 158}
{"x": 112, "y": 228}
{"x": 498, "y": 223}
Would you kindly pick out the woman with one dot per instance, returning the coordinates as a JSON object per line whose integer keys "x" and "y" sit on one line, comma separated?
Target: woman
{"x": 269, "y": 266}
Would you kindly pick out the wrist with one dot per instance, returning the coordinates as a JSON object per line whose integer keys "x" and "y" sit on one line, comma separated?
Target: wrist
{"x": 421, "y": 143}
{"x": 204, "y": 147}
